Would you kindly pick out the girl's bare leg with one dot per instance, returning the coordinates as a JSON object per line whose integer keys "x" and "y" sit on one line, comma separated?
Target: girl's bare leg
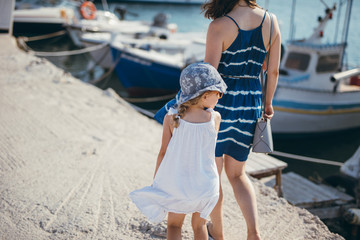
{"x": 174, "y": 224}
{"x": 244, "y": 195}
{"x": 199, "y": 227}
{"x": 216, "y": 225}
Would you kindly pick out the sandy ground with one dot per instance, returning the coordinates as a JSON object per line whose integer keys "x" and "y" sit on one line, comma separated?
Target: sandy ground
{"x": 70, "y": 154}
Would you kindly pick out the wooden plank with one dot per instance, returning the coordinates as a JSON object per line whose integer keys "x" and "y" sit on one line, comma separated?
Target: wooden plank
{"x": 326, "y": 213}
{"x": 262, "y": 163}
{"x": 342, "y": 196}
{"x": 302, "y": 192}
{"x": 330, "y": 212}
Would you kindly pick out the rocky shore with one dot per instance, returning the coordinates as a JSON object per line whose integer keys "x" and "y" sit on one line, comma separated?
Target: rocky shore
{"x": 70, "y": 154}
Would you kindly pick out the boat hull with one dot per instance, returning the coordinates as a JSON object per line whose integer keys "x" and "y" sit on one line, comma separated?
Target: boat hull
{"x": 307, "y": 112}
{"x": 144, "y": 77}
{"x": 102, "y": 56}
{"x": 32, "y": 29}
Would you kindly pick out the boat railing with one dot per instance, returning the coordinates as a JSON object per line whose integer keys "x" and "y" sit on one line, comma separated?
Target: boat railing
{"x": 338, "y": 77}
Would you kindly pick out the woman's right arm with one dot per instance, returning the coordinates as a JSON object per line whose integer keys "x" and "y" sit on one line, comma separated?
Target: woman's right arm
{"x": 166, "y": 136}
{"x": 273, "y": 70}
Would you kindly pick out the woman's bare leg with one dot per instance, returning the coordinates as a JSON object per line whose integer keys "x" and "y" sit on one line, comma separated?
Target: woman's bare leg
{"x": 216, "y": 225}
{"x": 244, "y": 194}
{"x": 174, "y": 224}
{"x": 199, "y": 227}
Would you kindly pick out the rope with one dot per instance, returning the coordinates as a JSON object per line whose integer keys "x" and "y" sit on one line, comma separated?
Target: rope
{"x": 150, "y": 99}
{"x": 143, "y": 111}
{"x": 61, "y": 53}
{"x": 108, "y": 72}
{"x": 46, "y": 36}
{"x": 307, "y": 159}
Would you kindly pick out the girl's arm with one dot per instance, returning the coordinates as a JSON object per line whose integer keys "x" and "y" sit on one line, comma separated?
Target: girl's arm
{"x": 273, "y": 70}
{"x": 217, "y": 121}
{"x": 166, "y": 136}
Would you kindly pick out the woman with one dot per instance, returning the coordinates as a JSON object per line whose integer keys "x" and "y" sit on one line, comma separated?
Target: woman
{"x": 237, "y": 43}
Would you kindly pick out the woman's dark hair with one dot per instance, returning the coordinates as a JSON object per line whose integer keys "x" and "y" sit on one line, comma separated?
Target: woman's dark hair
{"x": 218, "y": 8}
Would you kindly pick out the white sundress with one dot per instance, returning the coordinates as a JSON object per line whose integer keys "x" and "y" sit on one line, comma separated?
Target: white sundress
{"x": 187, "y": 180}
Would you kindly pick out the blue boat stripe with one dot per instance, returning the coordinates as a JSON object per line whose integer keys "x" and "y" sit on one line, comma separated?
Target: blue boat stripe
{"x": 238, "y": 108}
{"x": 240, "y": 63}
{"x": 237, "y": 120}
{"x": 309, "y": 106}
{"x": 294, "y": 79}
{"x": 242, "y": 92}
{"x": 233, "y": 140}
{"x": 244, "y": 50}
{"x": 236, "y": 129}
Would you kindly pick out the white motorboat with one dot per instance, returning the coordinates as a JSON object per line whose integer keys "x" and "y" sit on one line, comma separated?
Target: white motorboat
{"x": 99, "y": 21}
{"x": 306, "y": 100}
{"x": 42, "y": 20}
{"x": 171, "y": 44}
{"x": 187, "y": 2}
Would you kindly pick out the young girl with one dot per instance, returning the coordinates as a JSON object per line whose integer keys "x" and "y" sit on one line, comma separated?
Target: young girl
{"x": 186, "y": 179}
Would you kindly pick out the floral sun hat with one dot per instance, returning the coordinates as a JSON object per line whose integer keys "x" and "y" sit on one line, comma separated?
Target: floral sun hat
{"x": 198, "y": 78}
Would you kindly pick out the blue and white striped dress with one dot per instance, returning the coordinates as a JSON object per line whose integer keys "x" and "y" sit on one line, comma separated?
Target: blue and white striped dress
{"x": 240, "y": 107}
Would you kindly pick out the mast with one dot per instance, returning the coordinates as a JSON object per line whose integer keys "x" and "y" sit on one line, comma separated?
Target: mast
{"x": 338, "y": 20}
{"x": 292, "y": 25}
{"x": 346, "y": 30}
{"x": 105, "y": 5}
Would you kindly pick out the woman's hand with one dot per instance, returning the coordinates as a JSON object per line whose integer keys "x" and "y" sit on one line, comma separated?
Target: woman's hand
{"x": 269, "y": 112}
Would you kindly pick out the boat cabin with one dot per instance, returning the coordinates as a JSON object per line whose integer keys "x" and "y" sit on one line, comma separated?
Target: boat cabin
{"x": 310, "y": 66}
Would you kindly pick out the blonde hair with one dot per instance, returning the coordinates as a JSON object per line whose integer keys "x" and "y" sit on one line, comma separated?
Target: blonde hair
{"x": 182, "y": 108}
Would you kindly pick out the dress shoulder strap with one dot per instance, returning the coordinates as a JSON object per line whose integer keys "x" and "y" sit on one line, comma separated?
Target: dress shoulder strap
{"x": 263, "y": 19}
{"x": 233, "y": 20}
{"x": 210, "y": 110}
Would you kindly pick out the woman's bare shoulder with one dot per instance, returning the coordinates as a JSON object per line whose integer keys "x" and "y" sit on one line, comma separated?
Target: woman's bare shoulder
{"x": 220, "y": 23}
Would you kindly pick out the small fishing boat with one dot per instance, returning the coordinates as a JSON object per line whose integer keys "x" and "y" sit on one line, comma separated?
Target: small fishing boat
{"x": 41, "y": 20}
{"x": 151, "y": 67}
{"x": 100, "y": 21}
{"x": 187, "y": 2}
{"x": 313, "y": 96}
{"x": 133, "y": 31}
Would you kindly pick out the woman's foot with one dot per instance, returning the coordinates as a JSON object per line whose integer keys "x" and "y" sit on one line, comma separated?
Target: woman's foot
{"x": 208, "y": 230}
{"x": 255, "y": 236}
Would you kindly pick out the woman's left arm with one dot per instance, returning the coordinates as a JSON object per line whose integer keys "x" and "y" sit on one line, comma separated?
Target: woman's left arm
{"x": 214, "y": 43}
{"x": 273, "y": 70}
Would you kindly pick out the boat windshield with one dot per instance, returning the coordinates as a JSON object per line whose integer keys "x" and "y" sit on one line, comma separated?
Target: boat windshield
{"x": 328, "y": 63}
{"x": 297, "y": 61}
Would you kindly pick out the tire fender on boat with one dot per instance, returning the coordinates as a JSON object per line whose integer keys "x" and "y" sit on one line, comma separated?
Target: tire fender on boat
{"x": 88, "y": 10}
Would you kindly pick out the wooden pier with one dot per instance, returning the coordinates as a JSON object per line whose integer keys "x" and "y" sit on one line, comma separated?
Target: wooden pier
{"x": 261, "y": 165}
{"x": 322, "y": 200}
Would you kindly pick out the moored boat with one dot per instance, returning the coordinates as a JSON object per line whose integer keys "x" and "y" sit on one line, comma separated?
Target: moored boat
{"x": 307, "y": 100}
{"x": 152, "y": 67}
{"x": 42, "y": 20}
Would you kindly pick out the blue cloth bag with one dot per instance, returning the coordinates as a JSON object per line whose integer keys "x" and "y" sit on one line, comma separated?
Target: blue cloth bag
{"x": 159, "y": 116}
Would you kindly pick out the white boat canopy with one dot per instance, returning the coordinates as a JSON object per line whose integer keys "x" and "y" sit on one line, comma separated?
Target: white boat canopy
{"x": 352, "y": 166}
